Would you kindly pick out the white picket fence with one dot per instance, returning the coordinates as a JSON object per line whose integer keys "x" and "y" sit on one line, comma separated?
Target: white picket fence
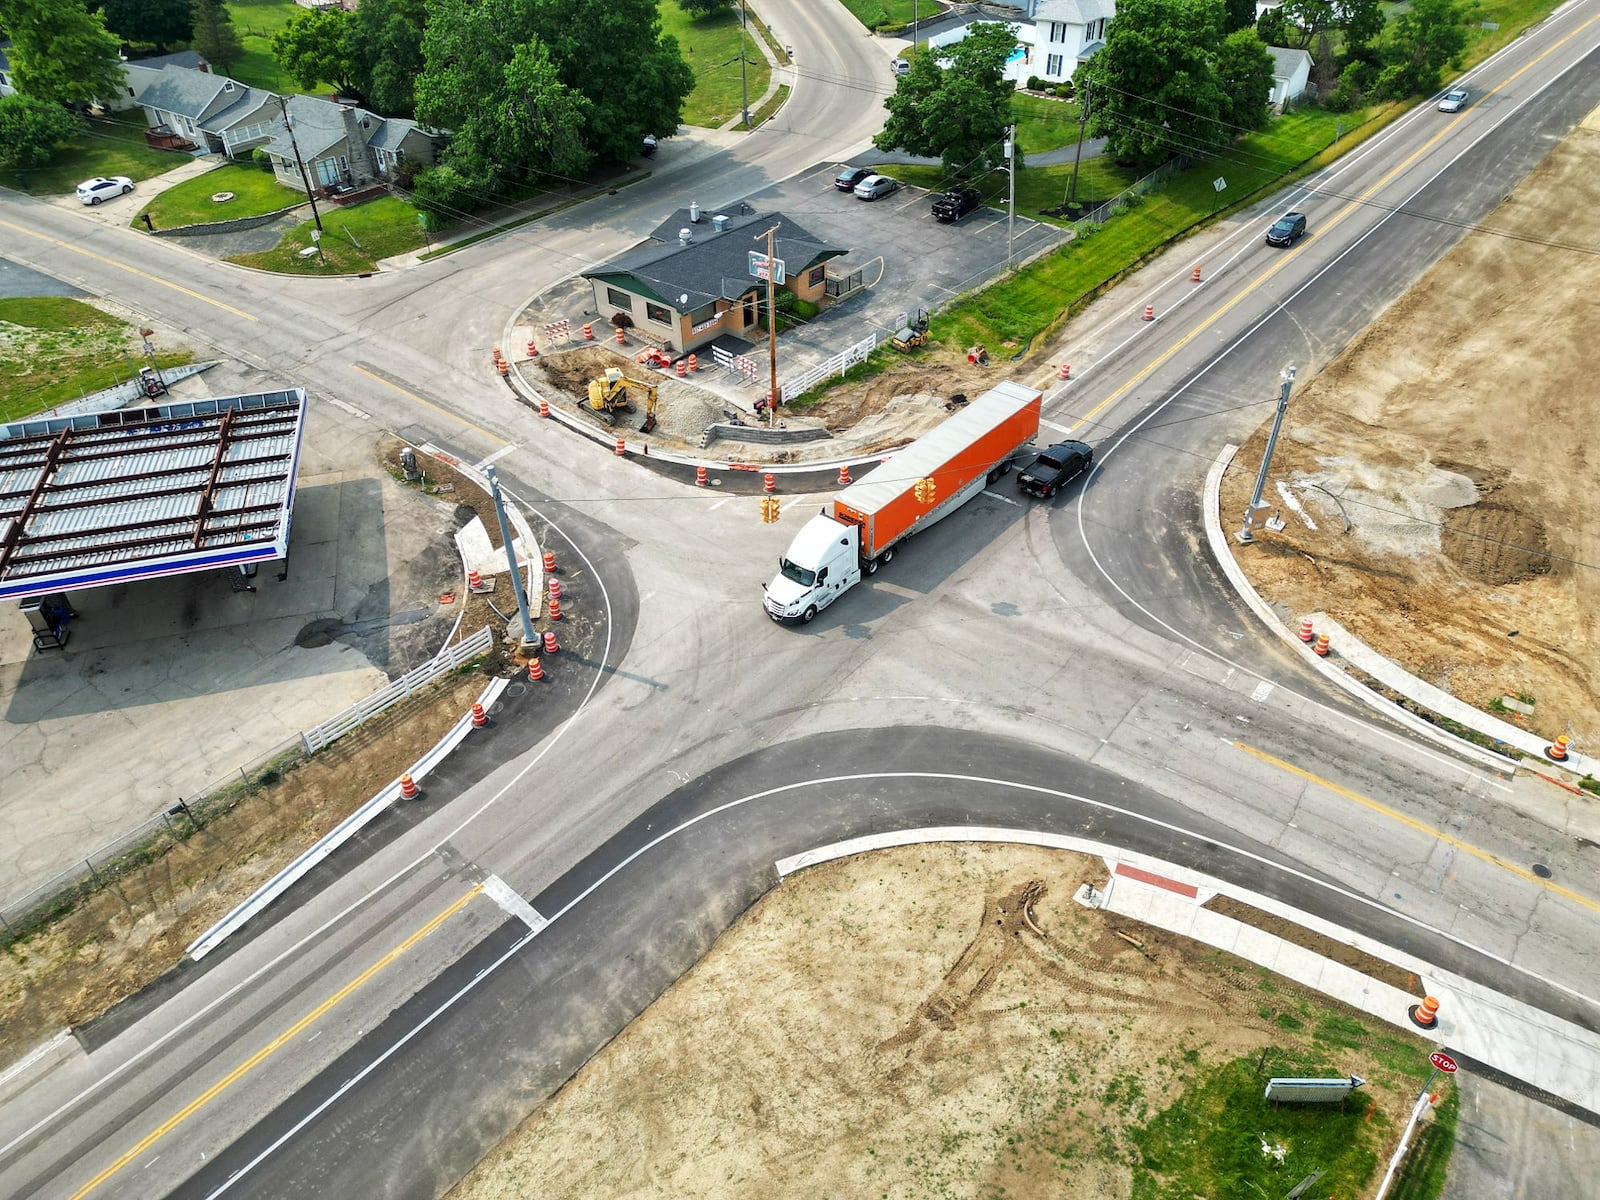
{"x": 445, "y": 661}
{"x": 837, "y": 365}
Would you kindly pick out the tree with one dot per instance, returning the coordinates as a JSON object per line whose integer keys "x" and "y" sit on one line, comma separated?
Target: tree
{"x": 1244, "y": 73}
{"x": 61, "y": 52}
{"x": 1429, "y": 36}
{"x": 610, "y": 52}
{"x": 1308, "y": 18}
{"x": 1155, "y": 89}
{"x": 215, "y": 38}
{"x": 30, "y": 130}
{"x": 960, "y": 112}
{"x": 543, "y": 119}
{"x": 159, "y": 22}
{"x": 704, "y": 8}
{"x": 314, "y": 48}
{"x": 1363, "y": 24}
{"x": 385, "y": 41}
{"x": 1240, "y": 14}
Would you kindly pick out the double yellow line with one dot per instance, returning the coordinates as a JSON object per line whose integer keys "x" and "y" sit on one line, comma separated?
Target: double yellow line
{"x": 272, "y": 1047}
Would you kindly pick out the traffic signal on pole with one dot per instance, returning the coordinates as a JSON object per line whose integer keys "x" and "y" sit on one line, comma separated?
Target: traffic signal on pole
{"x": 924, "y": 491}
{"x": 769, "y": 508}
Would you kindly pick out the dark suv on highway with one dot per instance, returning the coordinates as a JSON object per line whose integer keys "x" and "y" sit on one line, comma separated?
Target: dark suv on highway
{"x": 1288, "y": 229}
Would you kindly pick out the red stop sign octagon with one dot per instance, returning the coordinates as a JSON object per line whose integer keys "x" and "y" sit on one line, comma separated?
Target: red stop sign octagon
{"x": 1443, "y": 1061}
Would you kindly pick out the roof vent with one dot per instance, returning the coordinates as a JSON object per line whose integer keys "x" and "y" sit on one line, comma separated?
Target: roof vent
{"x": 719, "y": 222}
{"x": 227, "y": 85}
{"x": 685, "y": 236}
{"x": 694, "y": 212}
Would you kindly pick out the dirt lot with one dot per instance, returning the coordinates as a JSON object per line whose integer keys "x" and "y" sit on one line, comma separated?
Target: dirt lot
{"x": 930, "y": 1021}
{"x": 872, "y": 417}
{"x": 1456, "y": 432}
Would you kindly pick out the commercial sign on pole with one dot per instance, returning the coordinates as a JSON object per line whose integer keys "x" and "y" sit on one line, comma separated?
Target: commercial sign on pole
{"x": 758, "y": 267}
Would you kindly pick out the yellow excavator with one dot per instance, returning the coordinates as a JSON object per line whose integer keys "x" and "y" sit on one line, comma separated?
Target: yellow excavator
{"x": 609, "y": 396}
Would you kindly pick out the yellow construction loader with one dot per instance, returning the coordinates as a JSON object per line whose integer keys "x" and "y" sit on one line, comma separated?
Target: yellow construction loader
{"x": 609, "y": 396}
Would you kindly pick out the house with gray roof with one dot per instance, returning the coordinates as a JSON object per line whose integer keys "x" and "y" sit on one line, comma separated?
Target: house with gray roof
{"x": 207, "y": 109}
{"x": 691, "y": 282}
{"x": 345, "y": 148}
{"x": 1291, "y": 72}
{"x": 137, "y": 72}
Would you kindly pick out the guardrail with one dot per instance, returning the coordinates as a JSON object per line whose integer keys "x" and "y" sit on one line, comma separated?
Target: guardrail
{"x": 322, "y": 736}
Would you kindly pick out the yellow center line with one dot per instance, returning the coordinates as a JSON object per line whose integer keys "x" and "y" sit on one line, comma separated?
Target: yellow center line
{"x": 1166, "y": 356}
{"x": 277, "y": 1043}
{"x": 111, "y": 262}
{"x": 424, "y": 401}
{"x": 1420, "y": 827}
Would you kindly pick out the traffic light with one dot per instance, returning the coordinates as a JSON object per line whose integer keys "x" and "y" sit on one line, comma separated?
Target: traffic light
{"x": 770, "y": 506}
{"x": 924, "y": 491}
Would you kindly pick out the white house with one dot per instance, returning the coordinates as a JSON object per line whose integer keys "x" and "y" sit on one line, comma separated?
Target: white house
{"x": 1066, "y": 33}
{"x": 1291, "y": 70}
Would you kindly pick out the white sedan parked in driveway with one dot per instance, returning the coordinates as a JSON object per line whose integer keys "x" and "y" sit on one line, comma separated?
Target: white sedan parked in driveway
{"x": 92, "y": 191}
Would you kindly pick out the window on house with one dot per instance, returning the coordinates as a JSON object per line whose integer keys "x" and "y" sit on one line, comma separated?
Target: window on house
{"x": 703, "y": 314}
{"x": 815, "y": 278}
{"x": 1052, "y": 65}
{"x": 619, "y": 299}
{"x": 1058, "y": 31}
{"x": 658, "y": 314}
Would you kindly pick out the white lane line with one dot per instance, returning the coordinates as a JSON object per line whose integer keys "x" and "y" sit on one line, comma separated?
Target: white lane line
{"x": 349, "y": 408}
{"x": 506, "y": 897}
{"x": 720, "y": 503}
{"x": 1057, "y": 425}
{"x": 998, "y": 496}
{"x": 495, "y": 457}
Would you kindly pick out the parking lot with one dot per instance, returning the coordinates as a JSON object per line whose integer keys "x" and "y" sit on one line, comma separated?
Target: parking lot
{"x": 909, "y": 260}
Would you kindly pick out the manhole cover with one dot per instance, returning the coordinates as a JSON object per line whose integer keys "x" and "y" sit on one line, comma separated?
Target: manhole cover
{"x": 221, "y": 197}
{"x": 1542, "y": 871}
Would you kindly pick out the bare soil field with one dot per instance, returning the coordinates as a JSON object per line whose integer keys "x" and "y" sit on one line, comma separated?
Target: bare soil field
{"x": 1455, "y": 434}
{"x": 944, "y": 1020}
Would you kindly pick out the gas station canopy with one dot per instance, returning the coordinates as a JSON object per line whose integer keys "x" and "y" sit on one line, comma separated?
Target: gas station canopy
{"x": 112, "y": 497}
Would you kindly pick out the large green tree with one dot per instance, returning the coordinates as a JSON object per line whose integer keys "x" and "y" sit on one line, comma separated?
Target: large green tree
{"x": 1425, "y": 39}
{"x": 1244, "y": 73}
{"x": 315, "y": 47}
{"x": 1155, "y": 89}
{"x": 62, "y": 52}
{"x": 30, "y": 130}
{"x": 959, "y": 112}
{"x": 215, "y": 38}
{"x": 609, "y": 52}
{"x": 385, "y": 38}
{"x": 704, "y": 8}
{"x": 158, "y": 22}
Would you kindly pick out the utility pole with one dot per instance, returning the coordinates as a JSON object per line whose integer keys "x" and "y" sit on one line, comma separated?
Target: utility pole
{"x": 1253, "y": 516}
{"x": 1011, "y": 187}
{"x": 744, "y": 73}
{"x": 916, "y": 26}
{"x": 1083, "y": 125}
{"x": 772, "y": 323}
{"x": 283, "y": 107}
{"x": 528, "y": 636}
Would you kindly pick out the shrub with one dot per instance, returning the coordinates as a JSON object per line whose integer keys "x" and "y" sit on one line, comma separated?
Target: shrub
{"x": 1064, "y": 91}
{"x": 621, "y": 320}
{"x": 262, "y": 159}
{"x": 1035, "y": 84}
{"x": 806, "y": 308}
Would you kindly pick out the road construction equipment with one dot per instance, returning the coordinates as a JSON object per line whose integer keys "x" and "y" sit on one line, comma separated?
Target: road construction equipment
{"x": 609, "y": 396}
{"x": 913, "y": 335}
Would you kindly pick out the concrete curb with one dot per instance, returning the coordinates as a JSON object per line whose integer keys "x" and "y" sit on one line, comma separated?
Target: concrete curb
{"x": 1223, "y": 553}
{"x": 1491, "y": 1028}
{"x": 337, "y": 836}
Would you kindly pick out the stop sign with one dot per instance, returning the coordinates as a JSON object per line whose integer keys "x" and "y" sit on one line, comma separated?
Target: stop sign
{"x": 1443, "y": 1061}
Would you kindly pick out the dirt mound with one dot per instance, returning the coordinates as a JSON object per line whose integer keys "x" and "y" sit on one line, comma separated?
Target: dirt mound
{"x": 1435, "y": 479}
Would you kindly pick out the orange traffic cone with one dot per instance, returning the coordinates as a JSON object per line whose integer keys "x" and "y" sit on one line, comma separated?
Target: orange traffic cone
{"x": 535, "y": 671}
{"x": 549, "y": 562}
{"x": 476, "y": 584}
{"x": 1322, "y": 645}
{"x": 555, "y": 609}
{"x": 1426, "y": 1014}
{"x": 769, "y": 484}
{"x": 555, "y": 589}
{"x": 1557, "y": 749}
{"x": 479, "y": 717}
{"x": 1149, "y": 312}
{"x": 1194, "y": 275}
{"x": 844, "y": 474}
{"x": 408, "y": 787}
{"x": 622, "y": 447}
{"x": 550, "y": 646}
{"x": 1065, "y": 372}
{"x": 701, "y": 477}
{"x": 544, "y": 407}
{"x": 1307, "y": 631}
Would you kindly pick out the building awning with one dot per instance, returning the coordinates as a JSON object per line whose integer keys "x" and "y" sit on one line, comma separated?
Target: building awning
{"x": 130, "y": 494}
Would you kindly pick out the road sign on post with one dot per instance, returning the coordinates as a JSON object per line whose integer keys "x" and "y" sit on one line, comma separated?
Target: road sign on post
{"x": 758, "y": 267}
{"x": 1443, "y": 1061}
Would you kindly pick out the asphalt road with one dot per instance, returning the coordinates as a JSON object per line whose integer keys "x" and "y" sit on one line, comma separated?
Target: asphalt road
{"x": 1084, "y": 646}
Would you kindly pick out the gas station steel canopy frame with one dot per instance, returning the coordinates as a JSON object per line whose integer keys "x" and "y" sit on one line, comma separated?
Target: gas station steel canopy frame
{"x": 112, "y": 497}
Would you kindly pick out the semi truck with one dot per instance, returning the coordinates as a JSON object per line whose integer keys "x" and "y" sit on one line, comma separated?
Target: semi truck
{"x": 927, "y": 480}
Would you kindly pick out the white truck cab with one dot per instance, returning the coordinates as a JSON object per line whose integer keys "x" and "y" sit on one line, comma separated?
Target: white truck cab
{"x": 823, "y": 562}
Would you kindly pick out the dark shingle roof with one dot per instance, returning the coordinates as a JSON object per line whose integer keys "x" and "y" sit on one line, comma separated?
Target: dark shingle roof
{"x": 714, "y": 265}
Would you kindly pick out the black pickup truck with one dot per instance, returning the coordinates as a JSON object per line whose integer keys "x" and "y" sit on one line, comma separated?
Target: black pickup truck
{"x": 956, "y": 203}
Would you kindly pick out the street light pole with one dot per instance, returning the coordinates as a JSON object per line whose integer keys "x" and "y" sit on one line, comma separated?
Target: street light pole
{"x": 528, "y": 636}
{"x": 1011, "y": 189}
{"x": 1253, "y": 514}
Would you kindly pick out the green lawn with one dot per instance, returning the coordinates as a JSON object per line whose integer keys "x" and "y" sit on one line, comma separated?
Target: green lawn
{"x": 256, "y": 22}
{"x": 189, "y": 203}
{"x": 54, "y": 349}
{"x": 353, "y": 239}
{"x": 107, "y": 146}
{"x": 873, "y": 13}
{"x": 1044, "y": 124}
{"x": 710, "y": 45}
